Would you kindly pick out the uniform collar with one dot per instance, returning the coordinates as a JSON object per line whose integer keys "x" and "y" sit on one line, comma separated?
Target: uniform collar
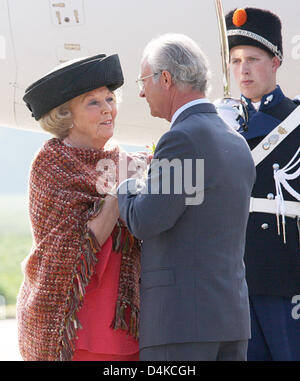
{"x": 261, "y": 121}
{"x": 268, "y": 100}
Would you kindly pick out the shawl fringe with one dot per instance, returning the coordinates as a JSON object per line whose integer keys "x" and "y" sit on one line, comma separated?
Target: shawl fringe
{"x": 125, "y": 243}
{"x": 82, "y": 274}
{"x": 119, "y": 321}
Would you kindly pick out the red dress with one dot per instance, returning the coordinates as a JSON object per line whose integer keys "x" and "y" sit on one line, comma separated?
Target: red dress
{"x": 97, "y": 341}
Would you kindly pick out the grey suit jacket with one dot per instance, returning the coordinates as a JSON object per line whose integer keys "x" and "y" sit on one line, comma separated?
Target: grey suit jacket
{"x": 193, "y": 284}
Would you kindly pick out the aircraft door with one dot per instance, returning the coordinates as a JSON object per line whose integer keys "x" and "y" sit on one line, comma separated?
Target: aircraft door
{"x": 46, "y": 34}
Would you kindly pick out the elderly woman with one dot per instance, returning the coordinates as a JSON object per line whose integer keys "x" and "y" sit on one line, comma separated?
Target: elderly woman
{"x": 79, "y": 299}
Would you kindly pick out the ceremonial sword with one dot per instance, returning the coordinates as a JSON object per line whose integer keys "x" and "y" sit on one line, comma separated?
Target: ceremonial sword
{"x": 224, "y": 49}
{"x": 228, "y": 102}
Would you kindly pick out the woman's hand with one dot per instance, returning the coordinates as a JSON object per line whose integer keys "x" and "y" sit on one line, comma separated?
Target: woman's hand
{"x": 142, "y": 156}
{"x": 131, "y": 165}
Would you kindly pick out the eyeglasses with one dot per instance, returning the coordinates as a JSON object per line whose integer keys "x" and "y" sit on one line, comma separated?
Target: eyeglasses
{"x": 140, "y": 81}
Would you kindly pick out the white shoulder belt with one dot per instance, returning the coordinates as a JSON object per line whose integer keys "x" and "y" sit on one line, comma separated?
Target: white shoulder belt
{"x": 276, "y": 136}
{"x": 263, "y": 205}
{"x": 279, "y": 206}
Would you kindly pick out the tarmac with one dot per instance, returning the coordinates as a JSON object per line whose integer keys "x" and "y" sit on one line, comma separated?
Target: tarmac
{"x": 9, "y": 341}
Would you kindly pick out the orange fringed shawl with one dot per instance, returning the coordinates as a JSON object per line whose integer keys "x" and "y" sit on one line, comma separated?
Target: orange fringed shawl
{"x": 62, "y": 198}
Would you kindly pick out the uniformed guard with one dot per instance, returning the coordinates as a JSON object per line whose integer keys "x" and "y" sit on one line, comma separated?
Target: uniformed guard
{"x": 272, "y": 130}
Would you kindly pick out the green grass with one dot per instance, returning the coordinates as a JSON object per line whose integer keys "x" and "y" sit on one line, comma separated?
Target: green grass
{"x": 15, "y": 244}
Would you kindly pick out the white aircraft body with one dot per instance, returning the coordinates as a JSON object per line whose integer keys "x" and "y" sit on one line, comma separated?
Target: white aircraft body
{"x": 37, "y": 35}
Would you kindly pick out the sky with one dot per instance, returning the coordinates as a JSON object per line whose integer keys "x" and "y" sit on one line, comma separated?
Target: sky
{"x": 17, "y": 149}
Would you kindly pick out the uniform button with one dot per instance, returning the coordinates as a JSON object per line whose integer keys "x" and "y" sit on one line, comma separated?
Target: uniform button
{"x": 275, "y": 166}
{"x": 264, "y": 226}
{"x": 270, "y": 196}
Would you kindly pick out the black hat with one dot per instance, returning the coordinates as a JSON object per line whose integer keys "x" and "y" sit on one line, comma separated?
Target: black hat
{"x": 256, "y": 27}
{"x": 71, "y": 80}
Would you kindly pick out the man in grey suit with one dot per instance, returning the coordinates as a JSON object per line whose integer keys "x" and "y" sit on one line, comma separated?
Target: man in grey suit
{"x": 191, "y": 215}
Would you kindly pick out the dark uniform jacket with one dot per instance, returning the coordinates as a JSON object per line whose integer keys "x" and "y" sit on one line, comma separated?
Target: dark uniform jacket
{"x": 272, "y": 267}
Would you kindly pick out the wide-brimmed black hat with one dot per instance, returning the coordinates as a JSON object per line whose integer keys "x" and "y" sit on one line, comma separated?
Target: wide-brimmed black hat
{"x": 74, "y": 78}
{"x": 256, "y": 27}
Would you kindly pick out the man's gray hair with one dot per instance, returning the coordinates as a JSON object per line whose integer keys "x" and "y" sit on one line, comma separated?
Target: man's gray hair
{"x": 181, "y": 57}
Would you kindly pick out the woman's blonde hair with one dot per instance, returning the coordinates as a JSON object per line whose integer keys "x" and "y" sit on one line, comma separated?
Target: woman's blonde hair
{"x": 58, "y": 121}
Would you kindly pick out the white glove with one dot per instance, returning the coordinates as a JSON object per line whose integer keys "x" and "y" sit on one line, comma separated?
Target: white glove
{"x": 229, "y": 111}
